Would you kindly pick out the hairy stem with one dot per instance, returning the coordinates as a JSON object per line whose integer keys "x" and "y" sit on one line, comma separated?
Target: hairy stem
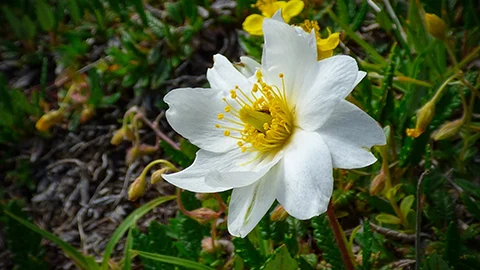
{"x": 337, "y": 232}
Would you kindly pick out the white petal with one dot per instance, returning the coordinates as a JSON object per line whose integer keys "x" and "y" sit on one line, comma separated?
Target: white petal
{"x": 248, "y": 171}
{"x": 194, "y": 179}
{"x": 224, "y": 76}
{"x": 193, "y": 114}
{"x": 360, "y": 76}
{"x": 278, "y": 16}
{"x": 249, "y": 204}
{"x": 334, "y": 79}
{"x": 285, "y": 51}
{"x": 306, "y": 185}
{"x": 349, "y": 134}
{"x": 249, "y": 67}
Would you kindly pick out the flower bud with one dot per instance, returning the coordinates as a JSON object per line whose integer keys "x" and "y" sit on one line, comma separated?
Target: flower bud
{"x": 209, "y": 245}
{"x": 124, "y": 133}
{"x": 157, "y": 175}
{"x": 48, "y": 120}
{"x": 87, "y": 114}
{"x": 133, "y": 153}
{"x": 137, "y": 189}
{"x": 435, "y": 26}
{"x": 424, "y": 116}
{"x": 203, "y": 215}
{"x": 203, "y": 196}
{"x": 136, "y": 152}
{"x": 378, "y": 183}
{"x": 279, "y": 214}
{"x": 447, "y": 130}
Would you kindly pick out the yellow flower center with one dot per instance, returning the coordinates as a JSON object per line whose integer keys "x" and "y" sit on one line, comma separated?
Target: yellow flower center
{"x": 263, "y": 120}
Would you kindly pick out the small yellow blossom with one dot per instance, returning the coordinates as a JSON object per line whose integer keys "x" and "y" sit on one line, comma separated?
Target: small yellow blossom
{"x": 290, "y": 9}
{"x": 49, "y": 120}
{"x": 424, "y": 117}
{"x": 435, "y": 26}
{"x": 325, "y": 46}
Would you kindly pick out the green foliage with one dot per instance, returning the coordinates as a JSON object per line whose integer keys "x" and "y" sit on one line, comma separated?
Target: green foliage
{"x": 326, "y": 242}
{"x": 367, "y": 245}
{"x": 15, "y": 109}
{"x": 156, "y": 241}
{"x": 280, "y": 259}
{"x": 23, "y": 243}
{"x": 250, "y": 255}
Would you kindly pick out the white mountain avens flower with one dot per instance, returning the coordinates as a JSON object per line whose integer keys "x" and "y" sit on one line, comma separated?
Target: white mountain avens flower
{"x": 274, "y": 131}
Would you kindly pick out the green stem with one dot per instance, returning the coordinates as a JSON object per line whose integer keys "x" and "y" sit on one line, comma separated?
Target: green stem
{"x": 418, "y": 226}
{"x": 373, "y": 53}
{"x": 155, "y": 162}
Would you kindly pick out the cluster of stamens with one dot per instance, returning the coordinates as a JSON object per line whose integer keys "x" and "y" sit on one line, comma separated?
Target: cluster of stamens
{"x": 262, "y": 121}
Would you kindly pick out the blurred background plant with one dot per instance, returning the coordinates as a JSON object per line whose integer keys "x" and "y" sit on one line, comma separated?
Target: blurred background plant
{"x": 90, "y": 72}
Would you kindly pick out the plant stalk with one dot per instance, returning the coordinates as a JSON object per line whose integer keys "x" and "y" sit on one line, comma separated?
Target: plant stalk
{"x": 337, "y": 232}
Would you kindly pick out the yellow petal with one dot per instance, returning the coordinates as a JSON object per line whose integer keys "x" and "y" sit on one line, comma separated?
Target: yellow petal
{"x": 329, "y": 43}
{"x": 268, "y": 10}
{"x": 323, "y": 54}
{"x": 253, "y": 24}
{"x": 292, "y": 9}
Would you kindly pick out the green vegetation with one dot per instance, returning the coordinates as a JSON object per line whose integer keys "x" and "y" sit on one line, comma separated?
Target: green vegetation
{"x": 65, "y": 63}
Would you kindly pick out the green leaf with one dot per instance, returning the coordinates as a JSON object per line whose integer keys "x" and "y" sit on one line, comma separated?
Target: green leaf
{"x": 174, "y": 11}
{"x": 281, "y": 259}
{"x": 435, "y": 262}
{"x": 112, "y": 99}
{"x": 190, "y": 234}
{"x": 388, "y": 219}
{"x": 172, "y": 260}
{"x": 44, "y": 15}
{"x": 81, "y": 261}
{"x": 23, "y": 243}
{"x": 13, "y": 20}
{"x": 127, "y": 256}
{"x": 156, "y": 241}
{"x": 406, "y": 205}
{"x": 129, "y": 222}
{"x": 326, "y": 242}
{"x": 28, "y": 28}
{"x": 74, "y": 11}
{"x": 342, "y": 11}
{"x": 175, "y": 155}
{"x": 472, "y": 206}
{"x": 96, "y": 93}
{"x": 138, "y": 4}
{"x": 367, "y": 245}
{"x": 453, "y": 246}
{"x": 189, "y": 9}
{"x": 250, "y": 255}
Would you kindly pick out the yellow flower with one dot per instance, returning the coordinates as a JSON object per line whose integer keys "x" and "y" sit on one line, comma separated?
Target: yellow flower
{"x": 424, "y": 117}
{"x": 253, "y": 23}
{"x": 325, "y": 46}
{"x": 435, "y": 26}
{"x": 49, "y": 120}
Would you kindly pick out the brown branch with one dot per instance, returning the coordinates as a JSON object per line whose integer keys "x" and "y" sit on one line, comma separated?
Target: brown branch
{"x": 337, "y": 232}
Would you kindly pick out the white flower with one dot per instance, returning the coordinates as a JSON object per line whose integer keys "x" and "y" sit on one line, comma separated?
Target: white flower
{"x": 275, "y": 131}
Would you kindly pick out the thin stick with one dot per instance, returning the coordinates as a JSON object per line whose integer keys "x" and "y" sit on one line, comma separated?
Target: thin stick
{"x": 337, "y": 232}
{"x": 418, "y": 226}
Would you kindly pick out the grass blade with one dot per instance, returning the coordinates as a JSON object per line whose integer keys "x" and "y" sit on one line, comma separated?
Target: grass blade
{"x": 80, "y": 260}
{"x": 172, "y": 260}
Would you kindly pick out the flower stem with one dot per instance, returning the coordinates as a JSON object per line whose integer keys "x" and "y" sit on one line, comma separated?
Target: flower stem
{"x": 337, "y": 232}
